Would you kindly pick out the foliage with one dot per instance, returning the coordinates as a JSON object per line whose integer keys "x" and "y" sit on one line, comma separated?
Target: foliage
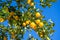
{"x": 26, "y": 16}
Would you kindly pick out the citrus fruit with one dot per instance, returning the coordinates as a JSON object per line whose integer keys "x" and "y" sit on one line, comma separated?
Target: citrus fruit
{"x": 32, "y": 4}
{"x": 1, "y": 19}
{"x": 28, "y": 1}
{"x": 28, "y": 21}
{"x": 5, "y": 38}
{"x": 33, "y": 25}
{"x": 37, "y": 14}
{"x": 24, "y": 24}
{"x": 41, "y": 24}
{"x": 37, "y": 21}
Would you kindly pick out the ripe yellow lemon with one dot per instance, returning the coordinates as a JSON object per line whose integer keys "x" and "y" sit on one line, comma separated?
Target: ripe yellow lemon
{"x": 28, "y": 1}
{"x": 41, "y": 24}
{"x": 5, "y": 38}
{"x": 33, "y": 25}
{"x": 37, "y": 21}
{"x": 24, "y": 24}
{"x": 37, "y": 14}
{"x": 32, "y": 4}
{"x": 28, "y": 21}
{"x": 1, "y": 19}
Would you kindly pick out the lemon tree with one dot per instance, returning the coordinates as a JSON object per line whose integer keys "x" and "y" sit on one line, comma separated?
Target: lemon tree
{"x": 24, "y": 16}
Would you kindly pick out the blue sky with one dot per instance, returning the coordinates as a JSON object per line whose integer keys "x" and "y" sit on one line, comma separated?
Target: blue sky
{"x": 54, "y": 14}
{"x": 50, "y": 13}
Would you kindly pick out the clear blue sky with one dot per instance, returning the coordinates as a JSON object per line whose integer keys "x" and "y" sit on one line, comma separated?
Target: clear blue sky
{"x": 54, "y": 14}
{"x": 50, "y": 13}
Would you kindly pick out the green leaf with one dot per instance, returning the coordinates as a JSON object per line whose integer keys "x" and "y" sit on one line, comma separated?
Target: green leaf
{"x": 53, "y": 0}
{"x": 41, "y": 0}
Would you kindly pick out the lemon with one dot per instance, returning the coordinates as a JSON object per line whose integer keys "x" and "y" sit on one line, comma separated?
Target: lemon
{"x": 24, "y": 24}
{"x": 1, "y": 19}
{"x": 41, "y": 24}
{"x": 28, "y": 1}
{"x": 5, "y": 38}
{"x": 32, "y": 4}
{"x": 37, "y": 14}
{"x": 37, "y": 21}
{"x": 28, "y": 21}
{"x": 33, "y": 25}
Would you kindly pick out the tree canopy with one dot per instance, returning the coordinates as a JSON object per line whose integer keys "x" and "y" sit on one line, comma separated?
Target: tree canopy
{"x": 25, "y": 16}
